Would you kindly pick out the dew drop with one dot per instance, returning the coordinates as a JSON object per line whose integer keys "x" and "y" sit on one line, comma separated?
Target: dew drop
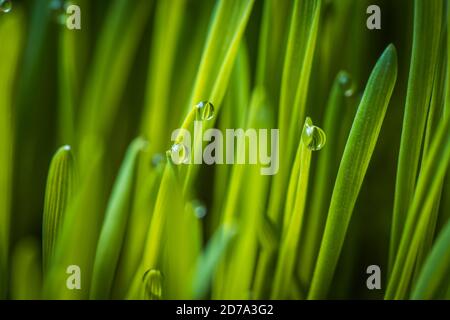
{"x": 5, "y": 6}
{"x": 314, "y": 137}
{"x": 199, "y": 208}
{"x": 157, "y": 159}
{"x": 205, "y": 110}
{"x": 347, "y": 84}
{"x": 153, "y": 284}
{"x": 179, "y": 153}
{"x": 58, "y": 10}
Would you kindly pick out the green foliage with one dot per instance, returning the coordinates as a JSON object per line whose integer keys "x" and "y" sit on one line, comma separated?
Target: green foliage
{"x": 141, "y": 227}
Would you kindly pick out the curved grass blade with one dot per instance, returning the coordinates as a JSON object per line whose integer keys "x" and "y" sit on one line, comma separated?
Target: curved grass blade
{"x": 58, "y": 194}
{"x": 426, "y": 35}
{"x": 114, "y": 225}
{"x": 355, "y": 161}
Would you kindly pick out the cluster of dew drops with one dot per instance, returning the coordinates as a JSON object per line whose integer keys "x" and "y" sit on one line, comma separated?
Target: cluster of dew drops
{"x": 204, "y": 112}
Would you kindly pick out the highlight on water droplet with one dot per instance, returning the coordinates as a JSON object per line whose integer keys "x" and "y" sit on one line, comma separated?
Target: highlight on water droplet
{"x": 153, "y": 285}
{"x": 205, "y": 110}
{"x": 5, "y": 6}
{"x": 58, "y": 11}
{"x": 347, "y": 84}
{"x": 199, "y": 208}
{"x": 314, "y": 137}
{"x": 179, "y": 153}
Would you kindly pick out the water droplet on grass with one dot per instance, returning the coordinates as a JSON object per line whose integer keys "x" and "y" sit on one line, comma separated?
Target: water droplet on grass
{"x": 205, "y": 110}
{"x": 157, "y": 159}
{"x": 179, "y": 153}
{"x": 314, "y": 137}
{"x": 199, "y": 208}
{"x": 153, "y": 284}
{"x": 58, "y": 11}
{"x": 5, "y": 6}
{"x": 346, "y": 84}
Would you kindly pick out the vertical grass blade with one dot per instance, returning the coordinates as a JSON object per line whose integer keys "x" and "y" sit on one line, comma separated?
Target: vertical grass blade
{"x": 11, "y": 33}
{"x": 137, "y": 227}
{"x": 26, "y": 274}
{"x": 355, "y": 161}
{"x": 435, "y": 269}
{"x": 226, "y": 31}
{"x": 294, "y": 88}
{"x": 426, "y": 35}
{"x": 79, "y": 234}
{"x": 292, "y": 228}
{"x": 58, "y": 194}
{"x": 209, "y": 260}
{"x": 168, "y": 21}
{"x": 300, "y": 49}
{"x": 166, "y": 204}
{"x": 326, "y": 171}
{"x": 427, "y": 192}
{"x": 118, "y": 43}
{"x": 114, "y": 225}
{"x": 435, "y": 114}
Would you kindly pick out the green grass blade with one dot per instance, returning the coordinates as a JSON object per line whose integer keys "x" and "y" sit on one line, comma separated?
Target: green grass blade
{"x": 165, "y": 205}
{"x": 294, "y": 219}
{"x": 79, "y": 234}
{"x": 294, "y": 88}
{"x": 435, "y": 114}
{"x": 272, "y": 46}
{"x": 246, "y": 182}
{"x": 72, "y": 52}
{"x": 118, "y": 43}
{"x": 137, "y": 228}
{"x": 301, "y": 41}
{"x": 26, "y": 277}
{"x": 427, "y": 193}
{"x": 209, "y": 260}
{"x": 326, "y": 171}
{"x": 226, "y": 31}
{"x": 114, "y": 225}
{"x": 426, "y": 35}
{"x": 58, "y": 194}
{"x": 11, "y": 32}
{"x": 435, "y": 269}
{"x": 355, "y": 161}
{"x": 221, "y": 48}
{"x": 168, "y": 21}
